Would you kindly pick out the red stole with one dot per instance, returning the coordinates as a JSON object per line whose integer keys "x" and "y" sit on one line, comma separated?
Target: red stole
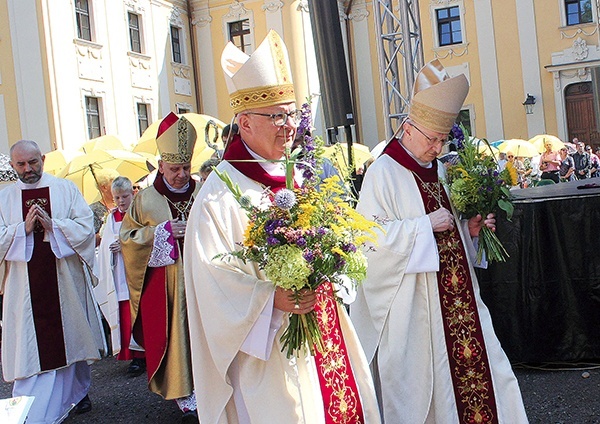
{"x": 341, "y": 400}
{"x": 43, "y": 288}
{"x": 467, "y": 356}
{"x": 237, "y": 154}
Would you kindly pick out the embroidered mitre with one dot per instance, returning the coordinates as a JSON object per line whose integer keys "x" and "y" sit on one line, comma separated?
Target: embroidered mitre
{"x": 261, "y": 79}
{"x": 175, "y": 139}
{"x": 437, "y": 98}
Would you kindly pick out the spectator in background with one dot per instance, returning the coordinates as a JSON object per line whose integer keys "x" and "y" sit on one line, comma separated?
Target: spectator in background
{"x": 594, "y": 162}
{"x": 582, "y": 162}
{"x": 101, "y": 208}
{"x": 550, "y": 163}
{"x": 207, "y": 168}
{"x": 501, "y": 161}
{"x": 112, "y": 292}
{"x": 567, "y": 166}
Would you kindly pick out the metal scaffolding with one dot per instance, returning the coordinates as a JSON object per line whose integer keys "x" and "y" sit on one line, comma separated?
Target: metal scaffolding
{"x": 400, "y": 53}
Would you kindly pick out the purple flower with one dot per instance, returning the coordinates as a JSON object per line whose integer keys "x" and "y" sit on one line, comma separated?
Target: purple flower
{"x": 457, "y": 136}
{"x": 271, "y": 225}
{"x": 272, "y": 241}
{"x": 321, "y": 231}
{"x": 301, "y": 242}
{"x": 309, "y": 256}
{"x": 348, "y": 247}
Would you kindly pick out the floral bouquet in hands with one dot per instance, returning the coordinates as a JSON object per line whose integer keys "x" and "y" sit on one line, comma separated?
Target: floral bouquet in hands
{"x": 477, "y": 187}
{"x": 303, "y": 238}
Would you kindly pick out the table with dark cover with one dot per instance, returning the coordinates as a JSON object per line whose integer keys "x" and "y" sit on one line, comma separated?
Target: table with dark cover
{"x": 545, "y": 300}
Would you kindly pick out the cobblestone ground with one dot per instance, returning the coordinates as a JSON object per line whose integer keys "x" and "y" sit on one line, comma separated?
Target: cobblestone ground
{"x": 561, "y": 395}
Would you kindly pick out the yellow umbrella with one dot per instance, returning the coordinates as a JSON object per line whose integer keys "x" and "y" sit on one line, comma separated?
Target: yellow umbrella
{"x": 539, "y": 141}
{"x": 202, "y": 151}
{"x": 338, "y": 154}
{"x": 81, "y": 170}
{"x": 485, "y": 148}
{"x": 105, "y": 142}
{"x": 519, "y": 147}
{"x": 56, "y": 160}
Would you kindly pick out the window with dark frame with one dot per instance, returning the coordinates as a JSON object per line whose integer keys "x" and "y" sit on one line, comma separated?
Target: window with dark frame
{"x": 134, "y": 32}
{"x": 578, "y": 11}
{"x": 82, "y": 16}
{"x": 448, "y": 25}
{"x": 239, "y": 32}
{"x": 142, "y": 112}
{"x": 92, "y": 111}
{"x": 175, "y": 44}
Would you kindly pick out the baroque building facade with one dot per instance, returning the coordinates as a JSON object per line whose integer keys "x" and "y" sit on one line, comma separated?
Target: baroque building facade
{"x": 72, "y": 70}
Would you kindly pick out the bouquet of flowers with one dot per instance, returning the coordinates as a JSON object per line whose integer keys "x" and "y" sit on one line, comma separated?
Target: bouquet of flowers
{"x": 477, "y": 187}
{"x": 303, "y": 238}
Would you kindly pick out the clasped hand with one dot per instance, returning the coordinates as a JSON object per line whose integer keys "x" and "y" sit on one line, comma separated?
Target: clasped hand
{"x": 441, "y": 220}
{"x": 37, "y": 214}
{"x": 178, "y": 228}
{"x": 476, "y": 222}
{"x": 288, "y": 301}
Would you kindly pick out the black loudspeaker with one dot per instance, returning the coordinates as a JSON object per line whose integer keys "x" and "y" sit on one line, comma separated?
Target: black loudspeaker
{"x": 331, "y": 61}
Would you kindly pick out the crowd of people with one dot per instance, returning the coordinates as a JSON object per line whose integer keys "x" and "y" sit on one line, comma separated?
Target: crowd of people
{"x": 553, "y": 166}
{"x": 417, "y": 346}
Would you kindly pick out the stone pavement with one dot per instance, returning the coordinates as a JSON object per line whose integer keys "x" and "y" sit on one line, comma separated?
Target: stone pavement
{"x": 563, "y": 395}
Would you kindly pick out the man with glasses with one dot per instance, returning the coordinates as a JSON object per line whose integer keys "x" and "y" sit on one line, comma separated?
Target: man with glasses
{"x": 419, "y": 315}
{"x": 236, "y": 315}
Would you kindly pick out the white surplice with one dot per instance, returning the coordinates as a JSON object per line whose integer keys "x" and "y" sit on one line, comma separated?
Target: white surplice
{"x": 72, "y": 242}
{"x": 397, "y": 314}
{"x": 239, "y": 370}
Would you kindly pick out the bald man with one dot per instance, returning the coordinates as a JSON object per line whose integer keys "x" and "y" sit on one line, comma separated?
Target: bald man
{"x": 50, "y": 319}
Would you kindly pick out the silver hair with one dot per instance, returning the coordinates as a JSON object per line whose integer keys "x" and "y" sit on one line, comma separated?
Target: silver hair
{"x": 122, "y": 184}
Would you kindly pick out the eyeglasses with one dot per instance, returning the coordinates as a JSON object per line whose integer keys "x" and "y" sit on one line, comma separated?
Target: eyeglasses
{"x": 279, "y": 119}
{"x": 430, "y": 140}
{"x": 510, "y": 156}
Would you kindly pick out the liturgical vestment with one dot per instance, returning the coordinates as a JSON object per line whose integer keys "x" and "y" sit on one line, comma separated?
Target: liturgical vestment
{"x": 50, "y": 318}
{"x": 160, "y": 289}
{"x": 423, "y": 373}
{"x": 238, "y": 365}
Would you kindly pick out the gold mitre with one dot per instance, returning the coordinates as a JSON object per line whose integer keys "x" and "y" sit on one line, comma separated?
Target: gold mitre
{"x": 437, "y": 98}
{"x": 261, "y": 79}
{"x": 175, "y": 139}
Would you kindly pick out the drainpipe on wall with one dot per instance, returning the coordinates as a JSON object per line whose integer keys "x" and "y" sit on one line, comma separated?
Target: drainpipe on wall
{"x": 195, "y": 70}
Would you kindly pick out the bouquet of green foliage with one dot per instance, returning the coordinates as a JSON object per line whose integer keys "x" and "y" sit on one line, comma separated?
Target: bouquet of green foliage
{"x": 477, "y": 187}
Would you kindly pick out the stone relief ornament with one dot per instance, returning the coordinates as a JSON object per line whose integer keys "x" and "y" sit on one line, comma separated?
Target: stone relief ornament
{"x": 359, "y": 12}
{"x": 302, "y": 6}
{"x": 580, "y": 49}
{"x": 272, "y": 6}
{"x": 201, "y": 18}
{"x": 236, "y": 10}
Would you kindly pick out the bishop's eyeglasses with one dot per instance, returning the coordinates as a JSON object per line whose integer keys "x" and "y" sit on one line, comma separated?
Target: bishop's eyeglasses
{"x": 279, "y": 119}
{"x": 431, "y": 140}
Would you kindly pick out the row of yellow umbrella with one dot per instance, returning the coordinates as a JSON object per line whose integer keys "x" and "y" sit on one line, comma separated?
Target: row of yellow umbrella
{"x": 108, "y": 152}
{"x": 524, "y": 148}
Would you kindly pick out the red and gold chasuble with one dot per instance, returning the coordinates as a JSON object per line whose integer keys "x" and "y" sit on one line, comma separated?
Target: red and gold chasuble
{"x": 341, "y": 400}
{"x": 469, "y": 365}
{"x": 43, "y": 288}
{"x": 152, "y": 330}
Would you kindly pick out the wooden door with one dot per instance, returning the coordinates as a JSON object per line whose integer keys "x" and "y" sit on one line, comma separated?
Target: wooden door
{"x": 581, "y": 121}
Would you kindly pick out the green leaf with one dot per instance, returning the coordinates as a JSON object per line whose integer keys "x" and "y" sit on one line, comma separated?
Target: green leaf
{"x": 507, "y": 207}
